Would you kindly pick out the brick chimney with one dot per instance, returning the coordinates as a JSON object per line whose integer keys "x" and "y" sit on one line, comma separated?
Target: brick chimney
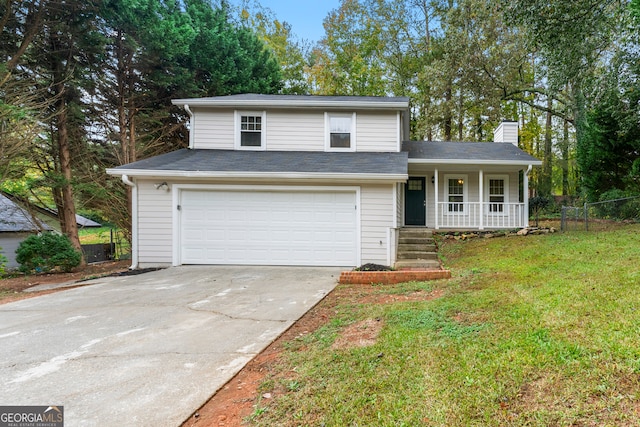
{"x": 507, "y": 131}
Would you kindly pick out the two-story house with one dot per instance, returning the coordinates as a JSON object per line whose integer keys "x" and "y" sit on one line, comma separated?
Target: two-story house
{"x": 314, "y": 180}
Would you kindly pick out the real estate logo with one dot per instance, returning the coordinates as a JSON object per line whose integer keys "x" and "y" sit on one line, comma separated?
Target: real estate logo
{"x": 31, "y": 416}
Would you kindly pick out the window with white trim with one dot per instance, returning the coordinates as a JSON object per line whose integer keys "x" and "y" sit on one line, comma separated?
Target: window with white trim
{"x": 496, "y": 195}
{"x": 456, "y": 194}
{"x": 340, "y": 131}
{"x": 250, "y": 130}
{"x": 497, "y": 188}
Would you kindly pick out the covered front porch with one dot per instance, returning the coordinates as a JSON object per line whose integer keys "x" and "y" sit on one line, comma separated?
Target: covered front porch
{"x": 467, "y": 200}
{"x": 474, "y": 186}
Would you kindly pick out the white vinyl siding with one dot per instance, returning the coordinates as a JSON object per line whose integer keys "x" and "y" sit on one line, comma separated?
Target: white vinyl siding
{"x": 154, "y": 224}
{"x": 514, "y": 187}
{"x": 506, "y": 132}
{"x": 377, "y": 131}
{"x": 377, "y": 205}
{"x": 400, "y": 205}
{"x": 214, "y": 129}
{"x": 156, "y": 220}
{"x": 296, "y": 130}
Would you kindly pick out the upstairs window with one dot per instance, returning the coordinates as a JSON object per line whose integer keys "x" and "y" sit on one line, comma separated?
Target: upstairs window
{"x": 340, "y": 132}
{"x": 250, "y": 130}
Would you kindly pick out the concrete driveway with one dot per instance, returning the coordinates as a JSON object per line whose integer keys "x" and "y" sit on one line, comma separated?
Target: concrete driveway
{"x": 148, "y": 350}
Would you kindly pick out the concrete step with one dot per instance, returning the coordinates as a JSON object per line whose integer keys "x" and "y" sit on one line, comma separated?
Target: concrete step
{"x": 403, "y": 247}
{"x": 416, "y": 249}
{"x": 411, "y": 232}
{"x": 415, "y": 240}
{"x": 417, "y": 255}
{"x": 422, "y": 264}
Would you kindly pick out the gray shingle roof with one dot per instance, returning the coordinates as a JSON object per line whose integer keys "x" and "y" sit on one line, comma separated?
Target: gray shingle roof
{"x": 205, "y": 160}
{"x": 86, "y": 222}
{"x": 316, "y": 101}
{"x": 15, "y": 219}
{"x": 468, "y": 152}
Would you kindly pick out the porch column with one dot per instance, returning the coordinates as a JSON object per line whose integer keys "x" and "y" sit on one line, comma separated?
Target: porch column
{"x": 437, "y": 208}
{"x": 481, "y": 198}
{"x": 525, "y": 196}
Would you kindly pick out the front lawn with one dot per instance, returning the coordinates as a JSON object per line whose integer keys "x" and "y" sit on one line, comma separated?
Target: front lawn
{"x": 535, "y": 331}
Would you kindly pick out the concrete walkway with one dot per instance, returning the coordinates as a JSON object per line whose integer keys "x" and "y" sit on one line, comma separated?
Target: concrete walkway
{"x": 148, "y": 350}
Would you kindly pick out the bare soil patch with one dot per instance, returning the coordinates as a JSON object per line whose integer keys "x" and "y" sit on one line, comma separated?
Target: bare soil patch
{"x": 391, "y": 298}
{"x": 360, "y": 334}
{"x": 13, "y": 288}
{"x": 236, "y": 400}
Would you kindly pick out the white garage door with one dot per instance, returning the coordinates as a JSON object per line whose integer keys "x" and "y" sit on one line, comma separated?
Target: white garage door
{"x": 268, "y": 227}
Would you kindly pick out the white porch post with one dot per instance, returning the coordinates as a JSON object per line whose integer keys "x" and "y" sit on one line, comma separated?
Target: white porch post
{"x": 481, "y": 197}
{"x": 525, "y": 196}
{"x": 437, "y": 208}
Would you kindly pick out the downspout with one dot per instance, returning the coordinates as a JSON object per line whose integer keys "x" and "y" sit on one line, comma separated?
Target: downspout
{"x": 134, "y": 221}
{"x": 191, "y": 134}
{"x": 437, "y": 196}
{"x": 525, "y": 196}
{"x": 481, "y": 197}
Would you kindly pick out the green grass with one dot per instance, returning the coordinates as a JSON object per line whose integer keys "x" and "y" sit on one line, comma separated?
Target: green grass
{"x": 530, "y": 331}
{"x": 95, "y": 235}
{"x": 103, "y": 235}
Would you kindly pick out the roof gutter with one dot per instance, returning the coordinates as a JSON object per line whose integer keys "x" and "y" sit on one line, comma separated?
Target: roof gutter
{"x": 287, "y": 103}
{"x": 476, "y": 162}
{"x": 134, "y": 221}
{"x": 191, "y": 128}
{"x": 305, "y": 176}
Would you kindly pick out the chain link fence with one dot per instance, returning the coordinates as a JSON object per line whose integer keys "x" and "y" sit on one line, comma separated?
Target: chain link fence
{"x": 600, "y": 215}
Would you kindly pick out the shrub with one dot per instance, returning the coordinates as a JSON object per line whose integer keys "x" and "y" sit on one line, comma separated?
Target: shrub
{"x": 3, "y": 263}
{"x": 47, "y": 252}
{"x": 616, "y": 204}
{"x": 538, "y": 204}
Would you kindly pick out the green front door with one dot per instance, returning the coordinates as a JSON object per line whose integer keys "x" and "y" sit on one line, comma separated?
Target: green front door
{"x": 415, "y": 201}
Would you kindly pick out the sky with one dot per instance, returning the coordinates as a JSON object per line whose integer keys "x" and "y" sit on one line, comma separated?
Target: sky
{"x": 304, "y": 16}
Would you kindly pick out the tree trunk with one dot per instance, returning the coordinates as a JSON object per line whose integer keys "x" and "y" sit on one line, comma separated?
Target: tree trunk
{"x": 547, "y": 160}
{"x": 565, "y": 159}
{"x": 460, "y": 116}
{"x": 68, "y": 213}
{"x": 448, "y": 116}
{"x": 64, "y": 191}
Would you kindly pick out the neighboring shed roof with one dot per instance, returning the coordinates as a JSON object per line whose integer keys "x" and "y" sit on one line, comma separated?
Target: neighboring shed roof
{"x": 45, "y": 215}
{"x": 496, "y": 153}
{"x": 291, "y": 101}
{"x": 86, "y": 222}
{"x": 15, "y": 219}
{"x": 205, "y": 162}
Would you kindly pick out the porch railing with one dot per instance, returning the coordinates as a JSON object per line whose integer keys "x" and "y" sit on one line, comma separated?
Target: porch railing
{"x": 481, "y": 215}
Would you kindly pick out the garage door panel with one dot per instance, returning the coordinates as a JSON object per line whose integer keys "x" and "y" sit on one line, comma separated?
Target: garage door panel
{"x": 268, "y": 227}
